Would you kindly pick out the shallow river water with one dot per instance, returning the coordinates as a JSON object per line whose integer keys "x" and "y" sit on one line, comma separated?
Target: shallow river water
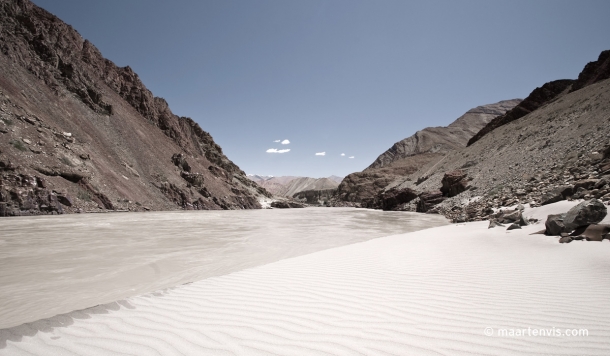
{"x": 51, "y": 265}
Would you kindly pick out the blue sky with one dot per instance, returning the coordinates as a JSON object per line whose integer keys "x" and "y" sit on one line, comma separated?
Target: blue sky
{"x": 334, "y": 76}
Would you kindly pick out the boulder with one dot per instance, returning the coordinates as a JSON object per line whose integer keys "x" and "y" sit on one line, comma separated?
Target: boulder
{"x": 556, "y": 194}
{"x": 514, "y": 226}
{"x": 588, "y": 212}
{"x": 565, "y": 240}
{"x": 554, "y": 224}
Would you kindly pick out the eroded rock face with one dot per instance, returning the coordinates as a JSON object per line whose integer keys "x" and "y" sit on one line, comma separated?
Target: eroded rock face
{"x": 393, "y": 198}
{"x": 21, "y": 195}
{"x": 428, "y": 200}
{"x": 588, "y": 212}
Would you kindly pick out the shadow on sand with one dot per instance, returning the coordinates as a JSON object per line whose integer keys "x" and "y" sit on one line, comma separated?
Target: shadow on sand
{"x": 16, "y": 334}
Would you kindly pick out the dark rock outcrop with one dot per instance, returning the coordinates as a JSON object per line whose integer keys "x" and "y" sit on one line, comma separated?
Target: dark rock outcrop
{"x": 284, "y": 204}
{"x": 394, "y": 198}
{"x": 428, "y": 200}
{"x": 454, "y": 183}
{"x": 594, "y": 72}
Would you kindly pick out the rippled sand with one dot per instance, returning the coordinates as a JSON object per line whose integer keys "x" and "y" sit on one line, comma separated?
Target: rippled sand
{"x": 450, "y": 290}
{"x": 55, "y": 264}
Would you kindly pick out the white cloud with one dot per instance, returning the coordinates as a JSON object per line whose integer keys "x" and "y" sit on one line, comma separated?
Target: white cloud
{"x": 275, "y": 150}
{"x": 285, "y": 142}
{"x": 343, "y": 154}
{"x": 277, "y": 141}
{"x": 320, "y": 153}
{"x": 351, "y": 156}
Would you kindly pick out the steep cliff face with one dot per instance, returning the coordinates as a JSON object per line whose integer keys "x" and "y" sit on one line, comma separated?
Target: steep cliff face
{"x": 409, "y": 155}
{"x": 90, "y": 128}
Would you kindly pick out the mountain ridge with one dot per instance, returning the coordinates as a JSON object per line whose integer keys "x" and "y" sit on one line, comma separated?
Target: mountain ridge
{"x": 80, "y": 130}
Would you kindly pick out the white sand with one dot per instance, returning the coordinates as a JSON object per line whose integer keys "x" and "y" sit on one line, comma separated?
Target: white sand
{"x": 431, "y": 292}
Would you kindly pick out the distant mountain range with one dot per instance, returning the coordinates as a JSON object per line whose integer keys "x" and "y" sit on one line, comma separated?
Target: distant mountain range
{"x": 288, "y": 186}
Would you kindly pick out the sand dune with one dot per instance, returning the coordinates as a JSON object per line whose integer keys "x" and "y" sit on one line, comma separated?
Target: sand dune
{"x": 431, "y": 292}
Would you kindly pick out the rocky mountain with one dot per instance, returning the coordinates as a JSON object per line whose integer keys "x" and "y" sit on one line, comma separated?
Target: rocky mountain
{"x": 287, "y": 186}
{"x": 78, "y": 133}
{"x": 425, "y": 146}
{"x": 559, "y": 150}
{"x": 444, "y": 139}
